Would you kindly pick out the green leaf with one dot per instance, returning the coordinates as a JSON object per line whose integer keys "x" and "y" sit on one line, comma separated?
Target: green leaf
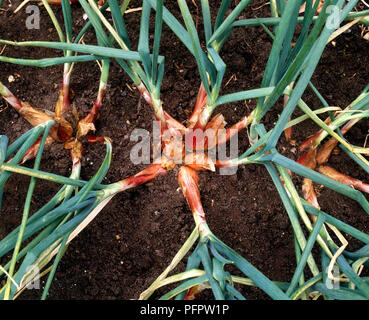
{"x": 157, "y": 37}
{"x": 197, "y": 50}
{"x": 119, "y": 23}
{"x": 221, "y": 13}
{"x": 306, "y": 253}
{"x": 207, "y": 19}
{"x": 143, "y": 43}
{"x": 339, "y": 294}
{"x": 227, "y": 23}
{"x": 249, "y": 270}
{"x": 48, "y": 62}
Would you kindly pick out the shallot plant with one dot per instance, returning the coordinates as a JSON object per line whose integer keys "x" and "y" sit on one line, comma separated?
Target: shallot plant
{"x": 300, "y": 31}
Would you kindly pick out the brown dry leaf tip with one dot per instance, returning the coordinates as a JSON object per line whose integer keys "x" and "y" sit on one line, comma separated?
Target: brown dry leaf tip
{"x": 309, "y": 193}
{"x": 199, "y": 162}
{"x": 84, "y": 127}
{"x": 308, "y": 159}
{"x": 344, "y": 179}
{"x": 32, "y": 151}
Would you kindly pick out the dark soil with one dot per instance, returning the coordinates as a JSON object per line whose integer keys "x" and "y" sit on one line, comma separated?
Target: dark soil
{"x": 135, "y": 237}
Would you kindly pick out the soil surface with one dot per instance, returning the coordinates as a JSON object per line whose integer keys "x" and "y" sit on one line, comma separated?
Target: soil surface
{"x": 135, "y": 237}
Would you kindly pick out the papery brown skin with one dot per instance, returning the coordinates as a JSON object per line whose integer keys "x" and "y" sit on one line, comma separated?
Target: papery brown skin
{"x": 309, "y": 193}
{"x": 199, "y": 162}
{"x": 87, "y": 124}
{"x": 61, "y": 131}
{"x": 216, "y": 123}
{"x": 64, "y": 129}
{"x": 344, "y": 179}
{"x": 308, "y": 159}
{"x": 314, "y": 139}
{"x": 32, "y": 151}
{"x": 288, "y": 133}
{"x": 84, "y": 127}
{"x": 34, "y": 116}
{"x": 311, "y": 141}
{"x": 325, "y": 151}
{"x": 188, "y": 181}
